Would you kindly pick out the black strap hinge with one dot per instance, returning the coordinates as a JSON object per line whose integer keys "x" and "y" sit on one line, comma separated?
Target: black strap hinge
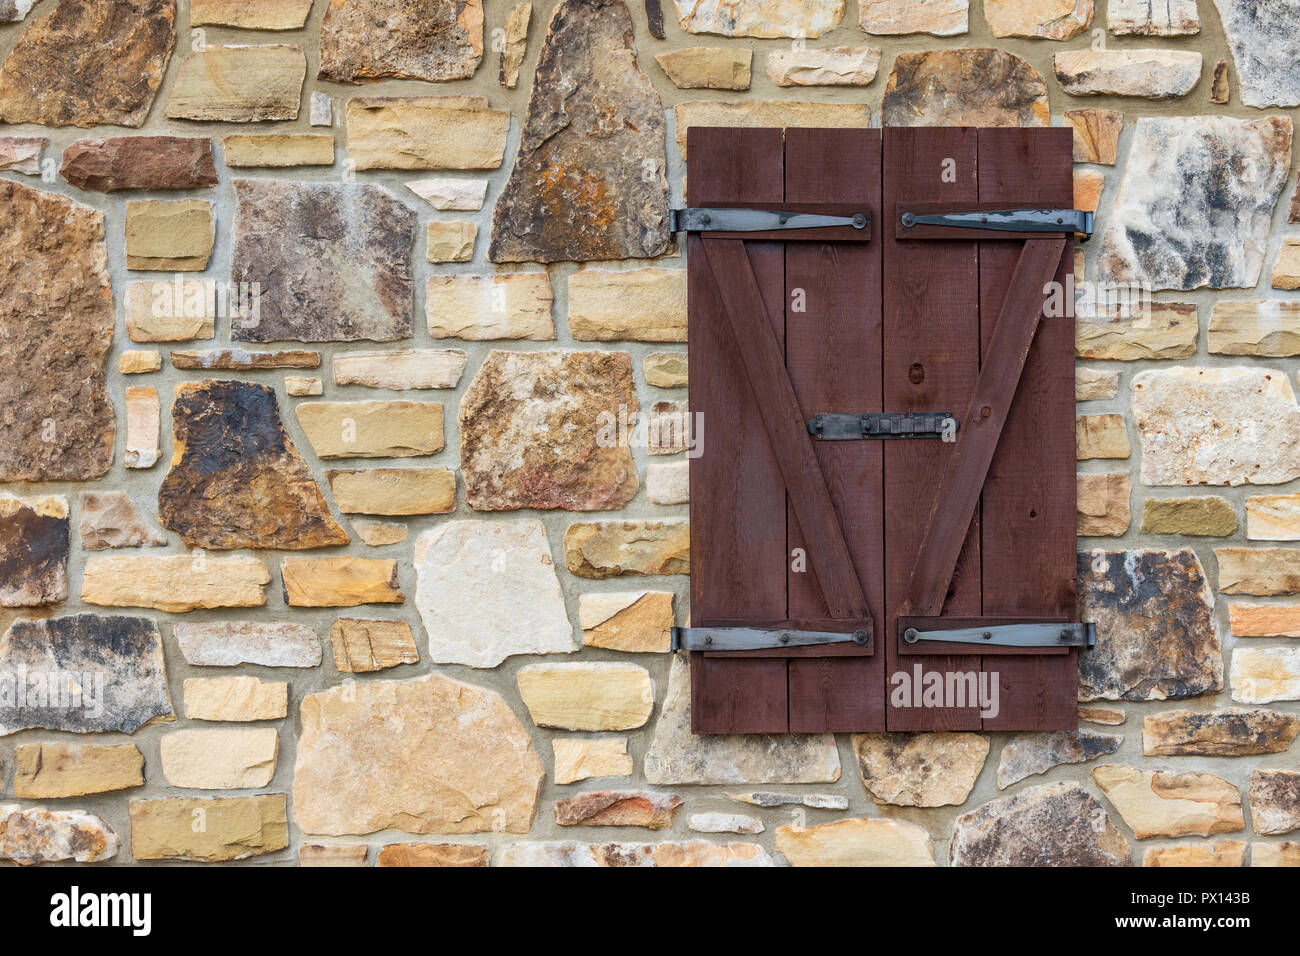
{"x": 760, "y": 638}
{"x": 1007, "y": 220}
{"x": 1012, "y": 635}
{"x": 756, "y": 220}
{"x": 835, "y": 426}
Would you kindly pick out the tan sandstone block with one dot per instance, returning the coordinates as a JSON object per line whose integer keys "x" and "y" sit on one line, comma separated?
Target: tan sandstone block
{"x": 219, "y": 758}
{"x": 1155, "y": 803}
{"x": 46, "y": 771}
{"x": 175, "y": 236}
{"x": 362, "y": 646}
{"x": 635, "y": 621}
{"x": 1103, "y": 504}
{"x": 340, "y": 582}
{"x": 399, "y": 429}
{"x": 425, "y": 132}
{"x": 175, "y": 583}
{"x": 155, "y": 312}
{"x": 580, "y": 758}
{"x": 642, "y": 305}
{"x": 1101, "y": 436}
{"x": 235, "y": 699}
{"x": 239, "y": 84}
{"x": 233, "y": 828}
{"x": 856, "y": 843}
{"x": 451, "y": 240}
{"x": 707, "y": 68}
{"x": 394, "y": 491}
{"x": 512, "y": 306}
{"x": 279, "y": 149}
{"x": 1264, "y": 620}
{"x": 1219, "y": 853}
{"x": 602, "y": 696}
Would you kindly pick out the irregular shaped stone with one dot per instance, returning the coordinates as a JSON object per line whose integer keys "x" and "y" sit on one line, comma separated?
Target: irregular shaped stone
{"x": 321, "y": 109}
{"x": 338, "y": 854}
{"x": 1103, "y": 504}
{"x": 1273, "y": 518}
{"x": 33, "y": 550}
{"x": 693, "y": 853}
{"x": 451, "y": 241}
{"x": 1153, "y": 18}
{"x": 110, "y": 519}
{"x": 239, "y": 84}
{"x": 665, "y": 369}
{"x": 1166, "y": 330}
{"x": 378, "y": 533}
{"x": 340, "y": 582}
{"x": 236, "y": 480}
{"x": 941, "y": 18}
{"x": 237, "y": 699}
{"x": 1038, "y": 19}
{"x": 542, "y": 430}
{"x": 1220, "y": 91}
{"x": 401, "y": 429}
{"x": 1222, "y": 733}
{"x": 856, "y": 843}
{"x": 401, "y": 370}
{"x": 1168, "y": 229}
{"x": 175, "y": 583}
{"x": 1101, "y": 436}
{"x": 37, "y": 835}
{"x": 964, "y": 87}
{"x": 296, "y": 385}
{"x": 231, "y": 643}
{"x": 707, "y": 68}
{"x": 1030, "y": 754}
{"x": 243, "y": 360}
{"x": 1263, "y": 571}
{"x": 760, "y": 18}
{"x": 579, "y": 758}
{"x": 433, "y": 40}
{"x": 1275, "y": 854}
{"x": 668, "y": 483}
{"x": 1055, "y": 825}
{"x": 920, "y": 770}
{"x": 606, "y": 549}
{"x": 1108, "y": 716}
{"x": 1155, "y": 803}
{"x": 762, "y": 113}
{"x": 618, "y": 808}
{"x": 1260, "y": 675}
{"x": 21, "y": 154}
{"x": 425, "y": 132}
{"x": 56, "y": 330}
{"x": 331, "y": 261}
{"x": 171, "y": 311}
{"x": 514, "y": 44}
{"x": 1092, "y": 385}
{"x": 48, "y": 771}
{"x": 1153, "y": 74}
{"x": 1219, "y": 853}
{"x": 83, "y": 674}
{"x": 219, "y": 759}
{"x": 250, "y": 14}
{"x": 1156, "y": 636}
{"x": 432, "y": 854}
{"x": 515, "y": 306}
{"x": 279, "y": 149}
{"x": 724, "y": 823}
{"x": 1264, "y": 48}
{"x": 394, "y": 491}
{"x": 139, "y": 162}
{"x": 1275, "y": 801}
{"x": 1096, "y": 135}
{"x": 234, "y": 828}
{"x": 447, "y": 193}
{"x": 830, "y": 66}
{"x": 1208, "y": 516}
{"x": 143, "y": 422}
{"x": 136, "y": 362}
{"x": 430, "y": 755}
{"x": 641, "y": 305}
{"x": 1286, "y": 271}
{"x": 1264, "y": 620}
{"x": 1270, "y": 328}
{"x": 601, "y": 696}
{"x": 361, "y": 646}
{"x": 88, "y": 63}
{"x": 677, "y": 756}
{"x": 817, "y": 801}
{"x": 169, "y": 236}
{"x": 634, "y": 621}
{"x": 1088, "y": 184}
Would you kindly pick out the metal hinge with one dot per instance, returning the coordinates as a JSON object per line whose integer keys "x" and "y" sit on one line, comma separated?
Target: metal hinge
{"x": 759, "y": 638}
{"x": 1007, "y": 220}
{"x": 1012, "y": 635}
{"x": 756, "y": 220}
{"x": 834, "y": 426}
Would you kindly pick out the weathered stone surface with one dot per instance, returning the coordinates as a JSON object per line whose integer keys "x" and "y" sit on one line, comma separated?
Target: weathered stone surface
{"x": 693, "y": 853}
{"x": 668, "y": 483}
{"x": 1153, "y": 74}
{"x": 175, "y": 583}
{"x": 362, "y": 646}
{"x": 1153, "y": 18}
{"x": 1208, "y": 516}
{"x": 33, "y": 550}
{"x": 1096, "y": 135}
{"x": 1155, "y": 803}
{"x": 364, "y": 40}
{"x": 401, "y": 370}
{"x": 219, "y": 758}
{"x": 618, "y": 808}
{"x": 139, "y": 362}
{"x": 172, "y": 311}
{"x": 139, "y": 162}
{"x": 920, "y": 770}
{"x": 332, "y": 261}
{"x": 1091, "y": 384}
{"x": 234, "y": 828}
{"x": 236, "y": 480}
{"x": 11, "y": 11}
{"x": 1286, "y": 271}
{"x": 488, "y": 590}
{"x": 607, "y": 549}
{"x": 279, "y": 149}
{"x": 579, "y": 758}
{"x": 830, "y": 66}
{"x": 235, "y": 699}
{"x": 1055, "y": 825}
{"x": 239, "y": 84}
{"x": 677, "y": 756}
{"x": 1260, "y": 675}
{"x": 1275, "y": 854}
{"x": 1156, "y": 636}
{"x": 1167, "y": 331}
{"x": 1264, "y": 620}
{"x": 379, "y": 533}
{"x": 89, "y": 63}
{"x": 1108, "y": 716}
{"x": 1263, "y": 571}
{"x": 231, "y": 643}
{"x": 665, "y": 369}
{"x": 635, "y": 621}
{"x": 240, "y": 360}
{"x": 1265, "y": 48}
{"x": 1222, "y": 733}
{"x": 707, "y": 68}
{"x": 1088, "y": 184}
{"x": 642, "y": 305}
{"x": 1030, "y": 754}
{"x": 169, "y": 236}
{"x": 394, "y": 491}
{"x": 964, "y": 87}
{"x": 1220, "y": 89}
{"x": 110, "y": 519}
{"x": 430, "y": 755}
{"x": 1219, "y": 853}
{"x": 515, "y": 44}
{"x": 513, "y": 306}
{"x": 1103, "y": 504}
{"x": 340, "y": 582}
{"x": 399, "y": 429}
{"x": 1270, "y": 328}
{"x": 56, "y": 329}
{"x": 450, "y": 194}
{"x": 1101, "y": 436}
{"x": 784, "y": 113}
{"x": 48, "y": 771}
{"x": 250, "y": 14}
{"x": 432, "y": 854}
{"x": 143, "y": 423}
{"x": 451, "y": 241}
{"x": 1273, "y": 518}
{"x": 600, "y": 696}
{"x": 942, "y": 18}
{"x": 82, "y": 674}
{"x": 856, "y": 843}
{"x": 425, "y": 132}
{"x": 1275, "y": 801}
{"x": 1169, "y": 228}
{"x": 1038, "y": 19}
{"x": 336, "y": 854}
{"x": 542, "y": 430}
{"x": 298, "y": 386}
{"x": 760, "y": 18}
{"x": 321, "y": 109}
{"x": 1216, "y": 426}
{"x": 816, "y": 801}
{"x": 21, "y": 154}
{"x": 37, "y": 835}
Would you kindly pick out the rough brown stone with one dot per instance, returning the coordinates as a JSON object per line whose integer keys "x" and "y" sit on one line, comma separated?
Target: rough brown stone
{"x": 1219, "y": 853}
{"x": 400, "y": 429}
{"x": 1101, "y": 436}
{"x": 1264, "y": 620}
{"x": 250, "y": 14}
{"x": 235, "y": 699}
{"x": 856, "y": 843}
{"x": 434, "y": 40}
{"x": 425, "y": 132}
{"x": 22, "y": 154}
{"x": 1275, "y": 801}
{"x": 89, "y": 63}
{"x": 964, "y": 87}
{"x": 1103, "y": 504}
{"x": 515, "y": 44}
{"x": 239, "y": 84}
{"x": 1208, "y": 516}
{"x": 175, "y": 583}
{"x": 1096, "y": 135}
{"x": 1155, "y": 803}
{"x": 110, "y": 519}
{"x": 1030, "y": 754}
{"x": 170, "y": 236}
{"x": 401, "y": 370}
{"x": 234, "y": 828}
{"x": 37, "y": 835}
{"x": 579, "y": 758}
{"x": 1056, "y": 825}
{"x": 707, "y": 68}
{"x": 49, "y": 771}
{"x": 1262, "y": 571}
{"x": 432, "y": 854}
{"x": 618, "y": 808}
{"x": 1221, "y": 733}
{"x": 634, "y": 621}
{"x": 606, "y": 549}
{"x": 361, "y": 646}
{"x": 139, "y": 162}
{"x": 33, "y": 550}
{"x": 340, "y": 582}
{"x": 920, "y": 770}
{"x": 1220, "y": 89}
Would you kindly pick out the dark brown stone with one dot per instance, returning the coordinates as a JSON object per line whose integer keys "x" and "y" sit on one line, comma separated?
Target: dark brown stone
{"x": 236, "y": 480}
{"x": 588, "y": 181}
{"x": 1275, "y": 801}
{"x": 332, "y": 262}
{"x": 89, "y": 63}
{"x": 364, "y": 40}
{"x": 1218, "y": 733}
{"x": 139, "y": 162}
{"x": 56, "y": 329}
{"x": 965, "y": 87}
{"x": 241, "y": 359}
{"x": 33, "y": 550}
{"x": 1056, "y": 825}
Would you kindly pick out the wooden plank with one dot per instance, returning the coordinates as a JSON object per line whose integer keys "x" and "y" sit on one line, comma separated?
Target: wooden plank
{"x": 930, "y": 231}
{"x": 1029, "y": 531}
{"x": 818, "y": 234}
{"x": 931, "y": 351}
{"x": 833, "y": 356}
{"x": 737, "y": 510}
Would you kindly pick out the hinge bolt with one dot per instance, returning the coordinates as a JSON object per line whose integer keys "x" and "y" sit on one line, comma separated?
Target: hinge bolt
{"x": 988, "y": 636}
{"x": 785, "y": 638}
{"x": 911, "y": 636}
{"x": 1065, "y": 635}
{"x": 909, "y": 220}
{"x": 861, "y": 637}
{"x": 708, "y": 638}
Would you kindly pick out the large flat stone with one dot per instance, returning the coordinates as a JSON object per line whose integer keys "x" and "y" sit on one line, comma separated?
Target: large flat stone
{"x": 1261, "y": 675}
{"x": 397, "y": 429}
{"x": 231, "y": 643}
{"x": 607, "y": 549}
{"x": 1038, "y": 19}
{"x": 139, "y": 162}
{"x": 425, "y": 132}
{"x": 920, "y": 770}
{"x": 964, "y": 87}
{"x": 219, "y": 758}
{"x": 1056, "y": 825}
{"x": 760, "y": 18}
{"x": 37, "y": 835}
{"x": 239, "y": 84}
{"x": 48, "y": 771}
{"x": 1265, "y": 48}
{"x": 1218, "y": 733}
{"x": 1030, "y": 754}
{"x": 175, "y": 583}
{"x": 234, "y": 828}
{"x": 1262, "y": 327}
{"x": 855, "y": 843}
{"x": 33, "y": 550}
{"x": 394, "y": 491}
{"x": 1166, "y": 330}
{"x": 434, "y": 40}
{"x": 941, "y": 18}
{"x": 1154, "y": 74}
{"x": 340, "y": 581}
{"x": 235, "y": 699}
{"x": 641, "y": 305}
{"x": 599, "y": 696}
{"x": 511, "y": 306}
{"x": 1262, "y": 571}
{"x": 1156, "y": 803}
{"x": 833, "y": 66}
{"x": 1153, "y": 18}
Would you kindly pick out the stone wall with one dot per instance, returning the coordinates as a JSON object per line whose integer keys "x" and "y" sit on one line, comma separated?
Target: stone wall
{"x": 344, "y": 572}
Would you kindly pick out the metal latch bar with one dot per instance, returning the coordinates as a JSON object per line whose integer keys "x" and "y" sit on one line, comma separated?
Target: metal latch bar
{"x": 757, "y": 220}
{"x": 1006, "y": 220}
{"x": 1012, "y": 635}
{"x": 837, "y": 426}
{"x": 759, "y": 638}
